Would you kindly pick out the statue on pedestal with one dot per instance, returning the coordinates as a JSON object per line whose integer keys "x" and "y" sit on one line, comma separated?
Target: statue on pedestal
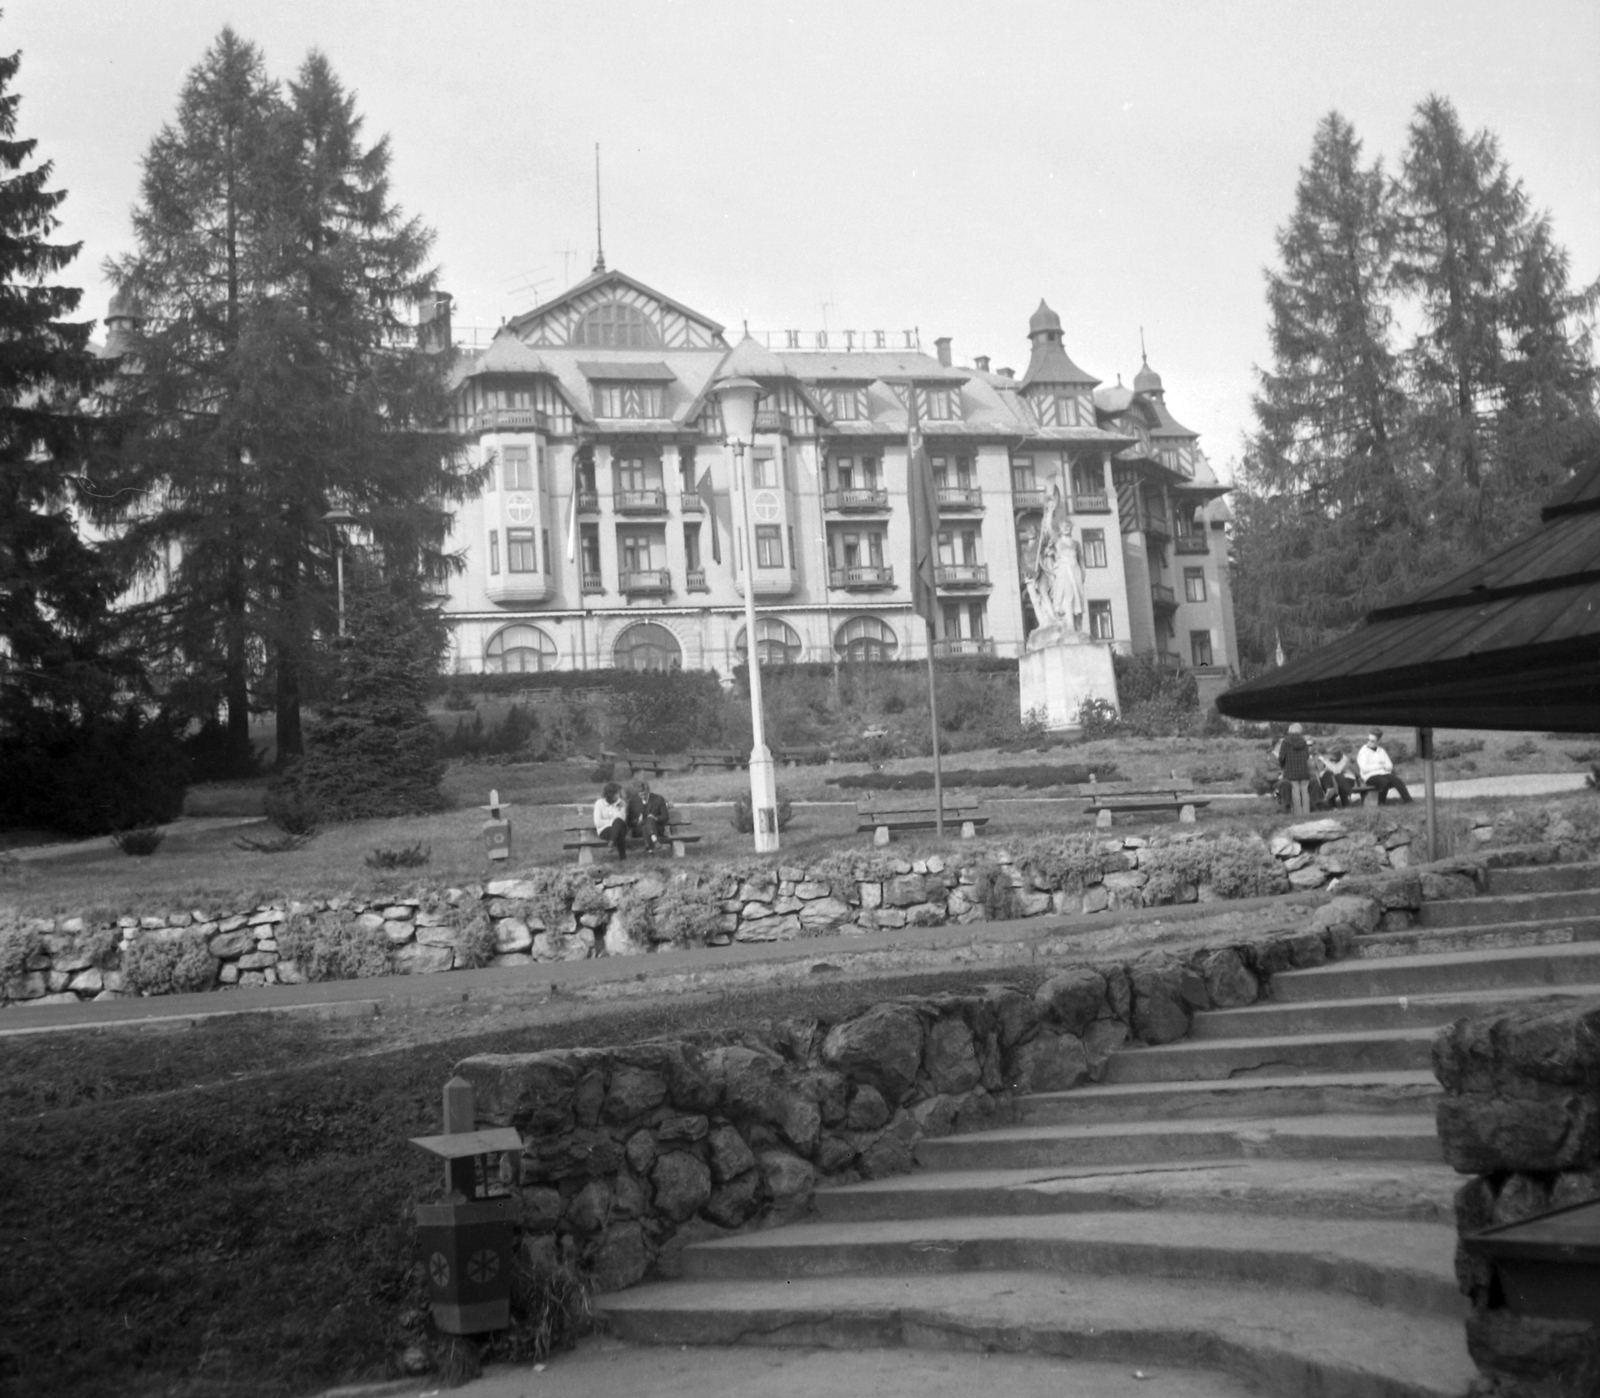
{"x": 1055, "y": 584}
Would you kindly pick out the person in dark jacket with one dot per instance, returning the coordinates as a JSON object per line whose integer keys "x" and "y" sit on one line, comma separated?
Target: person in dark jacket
{"x": 647, "y": 816}
{"x": 1295, "y": 759}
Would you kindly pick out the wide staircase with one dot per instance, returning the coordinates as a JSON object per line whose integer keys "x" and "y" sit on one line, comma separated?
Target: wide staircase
{"x": 1265, "y": 1199}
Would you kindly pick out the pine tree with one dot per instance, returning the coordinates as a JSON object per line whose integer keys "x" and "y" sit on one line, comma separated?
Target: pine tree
{"x": 1324, "y": 524}
{"x": 77, "y": 754}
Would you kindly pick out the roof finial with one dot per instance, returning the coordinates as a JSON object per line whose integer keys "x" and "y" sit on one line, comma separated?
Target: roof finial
{"x": 1142, "y": 355}
{"x": 599, "y": 240}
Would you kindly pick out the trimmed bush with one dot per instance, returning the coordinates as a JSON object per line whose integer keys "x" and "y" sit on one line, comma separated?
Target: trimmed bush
{"x": 334, "y": 949}
{"x": 169, "y": 966}
{"x": 742, "y": 821}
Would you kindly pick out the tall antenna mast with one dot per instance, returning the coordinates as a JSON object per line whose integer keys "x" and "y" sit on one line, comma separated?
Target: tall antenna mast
{"x": 599, "y": 241}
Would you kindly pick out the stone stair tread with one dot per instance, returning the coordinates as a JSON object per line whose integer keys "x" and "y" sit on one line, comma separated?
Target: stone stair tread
{"x": 1281, "y": 1188}
{"x": 1323, "y": 1036}
{"x": 1284, "y": 1339}
{"x": 1539, "y": 933}
{"x": 1355, "y": 1077}
{"x": 1322, "y": 1123}
{"x": 1453, "y": 1003}
{"x": 1433, "y": 960}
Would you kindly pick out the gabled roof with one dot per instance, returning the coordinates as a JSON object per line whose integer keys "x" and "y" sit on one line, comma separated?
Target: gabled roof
{"x": 599, "y": 279}
{"x": 507, "y": 355}
{"x": 625, "y": 371}
{"x": 1511, "y": 642}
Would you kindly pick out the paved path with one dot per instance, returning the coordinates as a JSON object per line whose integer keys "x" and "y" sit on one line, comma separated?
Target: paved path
{"x": 604, "y": 1368}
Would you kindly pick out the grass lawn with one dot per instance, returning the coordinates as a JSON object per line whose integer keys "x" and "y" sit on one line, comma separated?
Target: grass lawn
{"x": 225, "y": 1211}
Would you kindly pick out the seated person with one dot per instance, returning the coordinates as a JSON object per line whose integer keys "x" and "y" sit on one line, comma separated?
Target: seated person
{"x": 611, "y": 818}
{"x": 1338, "y": 777}
{"x": 647, "y": 816}
{"x": 1377, "y": 771}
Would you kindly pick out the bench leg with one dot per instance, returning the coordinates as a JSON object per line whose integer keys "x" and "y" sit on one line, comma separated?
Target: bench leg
{"x": 677, "y": 849}
{"x": 968, "y": 830}
{"x": 1186, "y": 815}
{"x": 1103, "y": 820}
{"x": 880, "y": 836}
{"x": 585, "y": 855}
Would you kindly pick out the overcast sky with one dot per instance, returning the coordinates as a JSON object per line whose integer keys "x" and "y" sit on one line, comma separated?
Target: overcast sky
{"x": 859, "y": 165}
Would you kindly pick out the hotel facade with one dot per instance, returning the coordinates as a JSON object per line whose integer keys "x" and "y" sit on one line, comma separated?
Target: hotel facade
{"x": 609, "y": 532}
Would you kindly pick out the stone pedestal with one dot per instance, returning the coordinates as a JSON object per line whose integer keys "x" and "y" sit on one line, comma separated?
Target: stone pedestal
{"x": 1060, "y": 669}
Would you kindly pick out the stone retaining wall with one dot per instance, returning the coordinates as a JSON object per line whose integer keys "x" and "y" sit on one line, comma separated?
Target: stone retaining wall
{"x": 623, "y": 909}
{"x": 1521, "y": 1117}
{"x": 632, "y": 1152}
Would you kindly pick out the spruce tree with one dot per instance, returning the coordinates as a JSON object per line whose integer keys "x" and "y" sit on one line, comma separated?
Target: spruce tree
{"x": 76, "y": 750}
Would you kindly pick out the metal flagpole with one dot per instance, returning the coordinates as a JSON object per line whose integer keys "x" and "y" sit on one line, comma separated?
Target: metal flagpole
{"x": 933, "y": 718}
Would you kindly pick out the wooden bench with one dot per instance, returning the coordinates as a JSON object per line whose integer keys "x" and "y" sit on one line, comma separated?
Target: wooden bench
{"x": 727, "y": 759}
{"x": 795, "y": 756}
{"x": 1175, "y": 796}
{"x": 587, "y": 842}
{"x": 638, "y": 761}
{"x": 884, "y": 818}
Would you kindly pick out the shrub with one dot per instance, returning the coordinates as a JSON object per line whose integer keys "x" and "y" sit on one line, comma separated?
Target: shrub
{"x": 740, "y": 817}
{"x": 560, "y": 892}
{"x": 334, "y": 948}
{"x": 213, "y": 758}
{"x": 1204, "y": 775}
{"x": 1097, "y": 718}
{"x": 1070, "y": 864}
{"x": 1450, "y": 751}
{"x": 1584, "y": 757}
{"x": 457, "y": 699}
{"x": 141, "y": 841}
{"x": 169, "y": 966}
{"x": 17, "y": 945}
{"x": 409, "y": 857}
{"x": 476, "y": 944}
{"x": 669, "y": 711}
{"x": 1175, "y": 867}
{"x": 993, "y": 891}
{"x": 685, "y": 914}
{"x": 512, "y": 736}
{"x": 292, "y": 810}
{"x": 1519, "y": 751}
{"x": 1243, "y": 868}
{"x": 842, "y": 870}
{"x": 551, "y": 1310}
{"x": 1034, "y": 776}
{"x": 1142, "y": 679}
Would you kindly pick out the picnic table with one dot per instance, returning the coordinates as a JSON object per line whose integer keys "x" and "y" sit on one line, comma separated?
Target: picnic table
{"x": 1175, "y": 795}
{"x": 581, "y": 836}
{"x": 885, "y": 817}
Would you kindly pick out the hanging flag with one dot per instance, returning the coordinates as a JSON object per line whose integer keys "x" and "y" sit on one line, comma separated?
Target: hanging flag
{"x": 715, "y": 506}
{"x": 923, "y": 500}
{"x": 572, "y": 519}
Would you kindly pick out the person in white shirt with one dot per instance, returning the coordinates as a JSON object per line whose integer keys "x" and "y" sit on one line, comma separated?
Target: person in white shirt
{"x": 1377, "y": 771}
{"x": 1338, "y": 777}
{"x": 611, "y": 818}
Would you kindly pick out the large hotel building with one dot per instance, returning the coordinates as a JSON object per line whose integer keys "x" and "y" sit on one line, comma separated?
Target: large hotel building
{"x": 602, "y": 534}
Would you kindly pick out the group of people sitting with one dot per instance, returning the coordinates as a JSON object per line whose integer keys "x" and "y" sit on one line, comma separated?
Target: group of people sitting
{"x": 1312, "y": 780}
{"x": 640, "y": 812}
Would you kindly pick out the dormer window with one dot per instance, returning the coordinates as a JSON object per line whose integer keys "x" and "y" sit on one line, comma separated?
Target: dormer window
{"x": 1072, "y": 410}
{"x": 845, "y": 405}
{"x": 939, "y": 404}
{"x": 629, "y": 400}
{"x": 613, "y": 325}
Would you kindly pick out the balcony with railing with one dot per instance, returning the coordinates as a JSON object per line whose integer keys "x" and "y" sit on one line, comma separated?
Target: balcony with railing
{"x": 1191, "y": 542}
{"x": 694, "y": 580}
{"x": 960, "y": 499}
{"x": 1093, "y": 503}
{"x": 588, "y": 502}
{"x": 509, "y": 419}
{"x": 592, "y": 582}
{"x": 1163, "y": 596}
{"x": 861, "y": 577}
{"x": 1024, "y": 501}
{"x": 961, "y": 575}
{"x": 856, "y": 501}
{"x": 690, "y": 504}
{"x": 644, "y": 582}
{"x": 519, "y": 589}
{"x": 962, "y": 645}
{"x": 640, "y": 502}
{"x": 1169, "y": 661}
{"x": 1158, "y": 529}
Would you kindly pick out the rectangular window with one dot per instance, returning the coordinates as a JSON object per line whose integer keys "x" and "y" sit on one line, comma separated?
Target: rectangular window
{"x": 631, "y": 474}
{"x": 846, "y": 404}
{"x": 1087, "y": 479}
{"x": 947, "y": 549}
{"x": 1200, "y": 647}
{"x": 769, "y": 546}
{"x": 518, "y": 469}
{"x": 1094, "y": 548}
{"x": 964, "y": 472}
{"x": 849, "y": 550}
{"x": 969, "y": 547}
{"x": 633, "y": 400}
{"x": 977, "y": 620}
{"x": 544, "y": 468}
{"x": 793, "y": 556}
{"x": 1100, "y": 621}
{"x": 589, "y": 542}
{"x": 1194, "y": 584}
{"x": 939, "y": 404}
{"x": 764, "y": 472}
{"x": 869, "y": 473}
{"x": 544, "y": 543}
{"x": 941, "y": 470}
{"x": 637, "y": 555}
{"x": 952, "y": 620}
{"x": 494, "y": 553}
{"x": 844, "y": 473}
{"x": 875, "y": 549}
{"x": 1022, "y": 477}
{"x": 520, "y": 551}
{"x": 691, "y": 547}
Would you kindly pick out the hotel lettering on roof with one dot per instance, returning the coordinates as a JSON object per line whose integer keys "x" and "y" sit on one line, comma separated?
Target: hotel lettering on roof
{"x": 605, "y": 534}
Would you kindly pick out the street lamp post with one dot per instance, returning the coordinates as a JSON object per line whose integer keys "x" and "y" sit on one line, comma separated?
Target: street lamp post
{"x": 339, "y": 521}
{"x": 737, "y": 397}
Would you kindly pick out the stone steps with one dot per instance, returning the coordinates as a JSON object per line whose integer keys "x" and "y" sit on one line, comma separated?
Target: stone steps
{"x": 1287, "y": 1055}
{"x": 1406, "y": 1091}
{"x": 1437, "y": 973}
{"x": 1324, "y": 1137}
{"x": 1285, "y": 1341}
{"x": 1543, "y": 878}
{"x": 1509, "y": 907}
{"x": 1388, "y": 1012}
{"x": 1425, "y": 941}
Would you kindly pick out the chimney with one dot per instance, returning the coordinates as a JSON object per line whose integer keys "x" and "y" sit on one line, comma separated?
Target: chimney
{"x": 942, "y": 344}
{"x": 1007, "y": 373}
{"x": 433, "y": 324}
{"x": 982, "y": 362}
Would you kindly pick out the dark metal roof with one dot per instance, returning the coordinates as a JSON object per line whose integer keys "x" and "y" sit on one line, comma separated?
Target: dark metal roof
{"x": 626, "y": 371}
{"x": 1511, "y": 642}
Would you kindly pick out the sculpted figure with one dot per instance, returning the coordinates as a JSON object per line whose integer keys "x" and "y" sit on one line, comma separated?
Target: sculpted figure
{"x": 1055, "y": 584}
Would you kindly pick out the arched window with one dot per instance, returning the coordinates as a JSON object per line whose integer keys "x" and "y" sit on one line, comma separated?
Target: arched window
{"x": 777, "y": 643}
{"x": 613, "y": 325}
{"x": 865, "y": 638}
{"x": 519, "y": 650}
{"x": 647, "y": 646}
